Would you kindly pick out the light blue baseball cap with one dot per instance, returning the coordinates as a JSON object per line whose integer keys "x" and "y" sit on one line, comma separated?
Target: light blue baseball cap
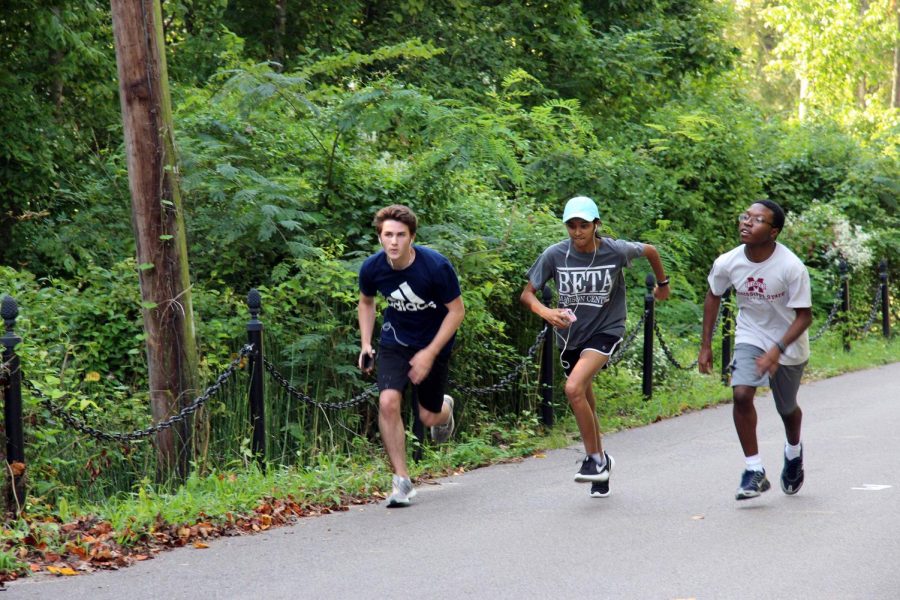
{"x": 580, "y": 207}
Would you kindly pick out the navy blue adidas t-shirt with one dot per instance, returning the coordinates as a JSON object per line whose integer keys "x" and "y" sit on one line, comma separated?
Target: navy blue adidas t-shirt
{"x": 416, "y": 296}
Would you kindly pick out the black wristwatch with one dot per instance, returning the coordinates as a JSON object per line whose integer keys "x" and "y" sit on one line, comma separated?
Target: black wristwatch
{"x": 780, "y": 345}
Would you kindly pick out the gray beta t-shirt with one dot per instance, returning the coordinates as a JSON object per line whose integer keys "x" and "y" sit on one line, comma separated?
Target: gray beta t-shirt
{"x": 591, "y": 284}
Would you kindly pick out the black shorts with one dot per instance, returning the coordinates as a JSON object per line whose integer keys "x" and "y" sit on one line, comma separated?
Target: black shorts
{"x": 393, "y": 374}
{"x": 599, "y": 342}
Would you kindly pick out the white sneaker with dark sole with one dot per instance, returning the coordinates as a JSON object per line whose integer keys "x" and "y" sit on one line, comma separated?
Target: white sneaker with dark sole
{"x": 442, "y": 433}
{"x": 401, "y": 493}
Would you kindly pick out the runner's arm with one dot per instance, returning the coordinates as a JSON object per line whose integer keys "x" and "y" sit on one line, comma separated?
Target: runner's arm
{"x": 555, "y": 316}
{"x": 710, "y": 310}
{"x": 365, "y": 312}
{"x": 661, "y": 292}
{"x": 421, "y": 363}
{"x": 768, "y": 362}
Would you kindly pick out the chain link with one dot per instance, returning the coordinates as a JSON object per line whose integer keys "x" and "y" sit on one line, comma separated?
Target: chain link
{"x": 670, "y": 356}
{"x": 668, "y": 352}
{"x": 5, "y": 372}
{"x": 621, "y": 350}
{"x": 297, "y": 394}
{"x": 140, "y": 434}
{"x": 831, "y": 316}
{"x": 873, "y": 313}
{"x": 506, "y": 381}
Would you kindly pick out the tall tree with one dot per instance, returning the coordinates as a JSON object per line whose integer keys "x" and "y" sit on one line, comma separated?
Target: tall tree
{"x": 838, "y": 50}
{"x": 57, "y": 107}
{"x": 895, "y": 89}
{"x": 158, "y": 221}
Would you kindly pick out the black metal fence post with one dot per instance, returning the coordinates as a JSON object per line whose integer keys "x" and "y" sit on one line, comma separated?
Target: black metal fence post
{"x": 546, "y": 379}
{"x": 12, "y": 407}
{"x": 257, "y": 368}
{"x": 648, "y": 337}
{"x": 727, "y": 332}
{"x": 885, "y": 298}
{"x": 845, "y": 304}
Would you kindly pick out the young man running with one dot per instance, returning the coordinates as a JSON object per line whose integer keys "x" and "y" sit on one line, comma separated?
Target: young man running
{"x": 771, "y": 340}
{"x": 590, "y": 320}
{"x": 424, "y": 310}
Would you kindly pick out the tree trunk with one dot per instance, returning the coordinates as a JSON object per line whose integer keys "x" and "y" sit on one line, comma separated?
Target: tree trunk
{"x": 158, "y": 223}
{"x": 861, "y": 81}
{"x": 56, "y": 89}
{"x": 802, "y": 108}
{"x": 895, "y": 92}
{"x": 280, "y": 31}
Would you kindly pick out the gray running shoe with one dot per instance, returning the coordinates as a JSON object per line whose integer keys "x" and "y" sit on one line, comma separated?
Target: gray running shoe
{"x": 442, "y": 433}
{"x": 401, "y": 493}
{"x": 753, "y": 483}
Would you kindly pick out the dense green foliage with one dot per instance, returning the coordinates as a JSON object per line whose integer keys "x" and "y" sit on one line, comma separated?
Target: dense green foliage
{"x": 296, "y": 120}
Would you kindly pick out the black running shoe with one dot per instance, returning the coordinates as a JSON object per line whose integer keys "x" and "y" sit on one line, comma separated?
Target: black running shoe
{"x": 591, "y": 472}
{"x": 753, "y": 483}
{"x": 792, "y": 475}
{"x": 600, "y": 489}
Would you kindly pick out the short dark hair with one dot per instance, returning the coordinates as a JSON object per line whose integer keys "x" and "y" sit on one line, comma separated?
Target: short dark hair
{"x": 777, "y": 212}
{"x": 396, "y": 212}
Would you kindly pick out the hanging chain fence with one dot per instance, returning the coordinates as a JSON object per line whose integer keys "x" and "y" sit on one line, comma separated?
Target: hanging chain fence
{"x": 504, "y": 384}
{"x": 5, "y": 372}
{"x": 506, "y": 381}
{"x": 364, "y": 395}
{"x": 140, "y": 434}
{"x": 667, "y": 351}
{"x": 372, "y": 390}
{"x": 832, "y": 315}
{"x": 873, "y": 313}
{"x": 626, "y": 345}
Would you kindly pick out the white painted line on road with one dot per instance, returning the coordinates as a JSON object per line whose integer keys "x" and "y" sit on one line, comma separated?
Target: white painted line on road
{"x": 872, "y": 487}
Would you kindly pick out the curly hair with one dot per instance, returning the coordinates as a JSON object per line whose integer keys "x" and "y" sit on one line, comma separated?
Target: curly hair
{"x": 777, "y": 212}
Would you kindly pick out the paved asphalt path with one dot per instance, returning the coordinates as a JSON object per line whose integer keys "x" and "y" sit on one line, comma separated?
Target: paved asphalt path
{"x": 671, "y": 528}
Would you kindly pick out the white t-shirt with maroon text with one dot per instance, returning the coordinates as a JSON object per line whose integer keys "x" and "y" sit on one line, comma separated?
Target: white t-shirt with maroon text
{"x": 767, "y": 293}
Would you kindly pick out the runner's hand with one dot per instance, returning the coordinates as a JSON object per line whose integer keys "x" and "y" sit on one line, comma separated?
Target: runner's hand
{"x": 420, "y": 366}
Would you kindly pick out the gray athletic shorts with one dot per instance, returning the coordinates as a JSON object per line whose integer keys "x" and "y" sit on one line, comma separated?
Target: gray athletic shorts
{"x": 784, "y": 383}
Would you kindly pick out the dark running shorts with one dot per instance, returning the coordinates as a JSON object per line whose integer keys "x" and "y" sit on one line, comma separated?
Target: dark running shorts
{"x": 600, "y": 342}
{"x": 393, "y": 374}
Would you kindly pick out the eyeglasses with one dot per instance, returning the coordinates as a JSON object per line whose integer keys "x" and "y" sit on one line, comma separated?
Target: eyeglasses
{"x": 758, "y": 220}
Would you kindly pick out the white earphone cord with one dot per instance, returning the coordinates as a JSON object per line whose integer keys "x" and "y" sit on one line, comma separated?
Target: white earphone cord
{"x": 565, "y": 341}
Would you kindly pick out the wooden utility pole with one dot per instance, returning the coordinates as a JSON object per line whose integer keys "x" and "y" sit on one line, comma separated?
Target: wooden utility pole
{"x": 158, "y": 223}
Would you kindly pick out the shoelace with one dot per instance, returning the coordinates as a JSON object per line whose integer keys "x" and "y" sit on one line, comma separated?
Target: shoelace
{"x": 752, "y": 478}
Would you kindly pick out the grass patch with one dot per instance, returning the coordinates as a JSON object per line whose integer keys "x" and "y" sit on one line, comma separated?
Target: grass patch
{"x": 829, "y": 358}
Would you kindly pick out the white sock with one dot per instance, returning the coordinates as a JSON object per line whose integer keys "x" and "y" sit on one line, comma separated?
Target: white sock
{"x": 754, "y": 463}
{"x": 599, "y": 459}
{"x": 792, "y": 452}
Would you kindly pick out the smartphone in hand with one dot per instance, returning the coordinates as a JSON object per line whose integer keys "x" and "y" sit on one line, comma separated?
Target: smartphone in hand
{"x": 368, "y": 361}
